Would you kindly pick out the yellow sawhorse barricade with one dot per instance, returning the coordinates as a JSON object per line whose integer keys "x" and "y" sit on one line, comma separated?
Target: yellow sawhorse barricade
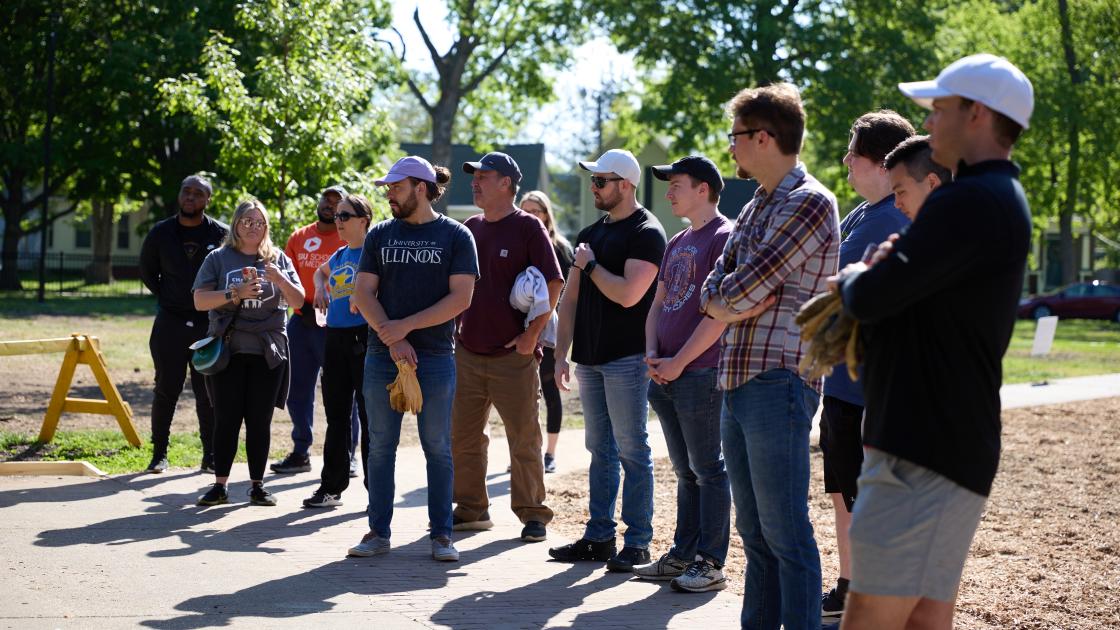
{"x": 79, "y": 349}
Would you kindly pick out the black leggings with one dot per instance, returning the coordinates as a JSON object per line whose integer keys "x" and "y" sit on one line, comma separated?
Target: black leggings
{"x": 344, "y": 359}
{"x": 245, "y": 391}
{"x": 550, "y": 391}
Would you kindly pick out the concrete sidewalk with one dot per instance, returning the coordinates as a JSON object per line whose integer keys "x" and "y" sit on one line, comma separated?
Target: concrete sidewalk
{"x": 134, "y": 550}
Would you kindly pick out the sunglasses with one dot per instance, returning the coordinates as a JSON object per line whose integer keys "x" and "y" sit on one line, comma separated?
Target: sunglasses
{"x": 343, "y": 217}
{"x": 601, "y": 182}
{"x": 253, "y": 223}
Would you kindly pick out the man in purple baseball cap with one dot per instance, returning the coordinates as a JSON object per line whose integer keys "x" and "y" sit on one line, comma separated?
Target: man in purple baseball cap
{"x": 409, "y": 166}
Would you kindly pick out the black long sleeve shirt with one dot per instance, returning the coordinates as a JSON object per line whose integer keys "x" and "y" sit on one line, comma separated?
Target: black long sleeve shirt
{"x": 170, "y": 258}
{"x": 937, "y": 315}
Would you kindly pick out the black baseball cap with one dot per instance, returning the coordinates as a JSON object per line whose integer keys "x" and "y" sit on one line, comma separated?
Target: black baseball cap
{"x": 495, "y": 161}
{"x": 697, "y": 166}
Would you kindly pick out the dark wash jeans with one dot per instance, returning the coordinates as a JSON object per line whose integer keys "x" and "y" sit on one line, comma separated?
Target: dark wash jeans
{"x": 765, "y": 427}
{"x": 689, "y": 410}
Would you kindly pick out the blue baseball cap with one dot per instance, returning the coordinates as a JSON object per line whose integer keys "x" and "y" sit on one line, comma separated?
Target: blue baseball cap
{"x": 495, "y": 161}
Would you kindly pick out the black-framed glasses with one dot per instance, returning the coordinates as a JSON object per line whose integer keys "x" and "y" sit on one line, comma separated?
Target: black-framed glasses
{"x": 746, "y": 132}
{"x": 343, "y": 217}
{"x": 601, "y": 182}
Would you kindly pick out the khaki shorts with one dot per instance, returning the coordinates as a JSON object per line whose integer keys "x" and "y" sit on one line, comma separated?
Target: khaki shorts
{"x": 911, "y": 530}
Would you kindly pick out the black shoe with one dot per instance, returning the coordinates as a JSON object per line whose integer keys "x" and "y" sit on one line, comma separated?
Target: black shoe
{"x": 207, "y": 465}
{"x": 534, "y": 531}
{"x": 259, "y": 496}
{"x": 832, "y": 605}
{"x": 216, "y": 495}
{"x": 624, "y": 561}
{"x": 322, "y": 499}
{"x": 293, "y": 463}
{"x": 549, "y": 463}
{"x": 158, "y": 463}
{"x": 584, "y": 549}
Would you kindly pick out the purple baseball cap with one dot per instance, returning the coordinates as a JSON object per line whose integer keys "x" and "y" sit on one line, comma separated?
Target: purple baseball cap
{"x": 409, "y": 166}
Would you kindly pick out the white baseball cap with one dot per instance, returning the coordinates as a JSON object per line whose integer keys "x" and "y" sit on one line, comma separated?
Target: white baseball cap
{"x": 618, "y": 161}
{"x": 988, "y": 79}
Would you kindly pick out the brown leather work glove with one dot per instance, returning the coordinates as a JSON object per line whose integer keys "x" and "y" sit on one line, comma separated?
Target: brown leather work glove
{"x": 404, "y": 392}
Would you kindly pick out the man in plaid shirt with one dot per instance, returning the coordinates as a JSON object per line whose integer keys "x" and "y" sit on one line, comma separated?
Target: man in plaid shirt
{"x": 785, "y": 244}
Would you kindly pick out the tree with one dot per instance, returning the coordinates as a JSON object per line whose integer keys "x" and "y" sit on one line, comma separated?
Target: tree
{"x": 290, "y": 117}
{"x": 495, "y": 67}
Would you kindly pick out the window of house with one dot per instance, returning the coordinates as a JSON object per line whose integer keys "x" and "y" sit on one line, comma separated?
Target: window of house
{"x": 83, "y": 237}
{"x": 122, "y": 232}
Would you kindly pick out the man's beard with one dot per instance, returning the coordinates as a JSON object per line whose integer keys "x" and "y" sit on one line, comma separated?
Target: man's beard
{"x": 605, "y": 203}
{"x": 326, "y": 215}
{"x": 741, "y": 173}
{"x": 406, "y": 208}
{"x": 190, "y": 215}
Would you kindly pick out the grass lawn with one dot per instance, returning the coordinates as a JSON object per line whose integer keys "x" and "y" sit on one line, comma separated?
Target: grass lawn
{"x": 105, "y": 449}
{"x": 1081, "y": 348}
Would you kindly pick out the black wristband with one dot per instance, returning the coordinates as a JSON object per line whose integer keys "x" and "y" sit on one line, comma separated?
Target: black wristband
{"x": 589, "y": 267}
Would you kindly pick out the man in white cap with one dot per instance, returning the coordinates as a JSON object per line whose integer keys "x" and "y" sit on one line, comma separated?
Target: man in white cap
{"x": 942, "y": 303}
{"x": 170, "y": 258}
{"x": 602, "y": 319}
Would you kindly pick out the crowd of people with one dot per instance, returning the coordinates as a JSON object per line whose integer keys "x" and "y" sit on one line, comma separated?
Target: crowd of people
{"x": 492, "y": 313}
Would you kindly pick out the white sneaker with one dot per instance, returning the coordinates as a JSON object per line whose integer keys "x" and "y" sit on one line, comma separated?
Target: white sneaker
{"x": 700, "y": 576}
{"x": 667, "y": 567}
{"x": 371, "y": 545}
{"x": 443, "y": 550}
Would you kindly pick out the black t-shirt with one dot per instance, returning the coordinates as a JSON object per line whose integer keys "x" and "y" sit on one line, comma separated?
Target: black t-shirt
{"x": 936, "y": 317}
{"x": 605, "y": 330}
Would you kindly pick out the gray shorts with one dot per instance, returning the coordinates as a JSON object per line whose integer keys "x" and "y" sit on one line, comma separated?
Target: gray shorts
{"x": 911, "y": 529}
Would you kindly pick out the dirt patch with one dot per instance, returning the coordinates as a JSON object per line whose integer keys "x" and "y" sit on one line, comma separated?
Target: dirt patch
{"x": 1047, "y": 554}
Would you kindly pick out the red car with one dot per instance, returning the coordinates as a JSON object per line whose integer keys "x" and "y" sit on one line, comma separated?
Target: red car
{"x": 1084, "y": 300}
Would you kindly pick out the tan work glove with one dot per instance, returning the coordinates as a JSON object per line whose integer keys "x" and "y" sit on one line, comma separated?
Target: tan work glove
{"x": 832, "y": 334}
{"x": 404, "y": 392}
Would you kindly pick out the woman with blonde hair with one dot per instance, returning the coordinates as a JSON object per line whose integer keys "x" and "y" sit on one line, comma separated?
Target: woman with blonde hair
{"x": 539, "y": 205}
{"x": 247, "y": 285}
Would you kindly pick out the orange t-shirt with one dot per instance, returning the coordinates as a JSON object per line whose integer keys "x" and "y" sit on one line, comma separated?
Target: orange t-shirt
{"x": 308, "y": 248}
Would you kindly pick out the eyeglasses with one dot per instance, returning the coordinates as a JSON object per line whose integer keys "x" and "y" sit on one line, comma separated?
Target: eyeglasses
{"x": 601, "y": 182}
{"x": 343, "y": 217}
{"x": 746, "y": 132}
{"x": 253, "y": 223}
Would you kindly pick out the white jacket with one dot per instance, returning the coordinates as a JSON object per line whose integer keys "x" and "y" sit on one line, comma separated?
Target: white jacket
{"x": 530, "y": 296}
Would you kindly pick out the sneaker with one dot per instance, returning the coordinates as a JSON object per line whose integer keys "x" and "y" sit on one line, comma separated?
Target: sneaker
{"x": 482, "y": 523}
{"x": 584, "y": 549}
{"x": 353, "y": 467}
{"x": 322, "y": 499}
{"x": 549, "y": 463}
{"x": 158, "y": 463}
{"x": 371, "y": 545}
{"x": 699, "y": 577}
{"x": 259, "y": 496}
{"x": 534, "y": 531}
{"x": 667, "y": 567}
{"x": 207, "y": 465}
{"x": 293, "y": 463}
{"x": 443, "y": 550}
{"x": 832, "y": 605}
{"x": 625, "y": 560}
{"x": 216, "y": 495}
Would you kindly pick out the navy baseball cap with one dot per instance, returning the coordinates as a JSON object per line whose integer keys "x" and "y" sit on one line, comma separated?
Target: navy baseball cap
{"x": 495, "y": 161}
{"x": 697, "y": 166}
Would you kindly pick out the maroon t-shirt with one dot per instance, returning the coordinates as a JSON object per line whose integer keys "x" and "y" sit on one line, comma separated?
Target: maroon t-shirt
{"x": 689, "y": 256}
{"x": 505, "y": 249}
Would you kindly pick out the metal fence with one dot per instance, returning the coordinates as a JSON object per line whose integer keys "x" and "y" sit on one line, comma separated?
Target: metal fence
{"x": 80, "y": 275}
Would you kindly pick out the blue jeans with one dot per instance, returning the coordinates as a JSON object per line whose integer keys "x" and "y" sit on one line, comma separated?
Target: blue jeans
{"x": 615, "y": 411}
{"x": 765, "y": 428}
{"x": 689, "y": 410}
{"x": 436, "y": 373}
{"x": 305, "y": 345}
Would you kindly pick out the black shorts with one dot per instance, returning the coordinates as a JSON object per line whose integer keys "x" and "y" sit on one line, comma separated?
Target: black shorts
{"x": 842, "y": 447}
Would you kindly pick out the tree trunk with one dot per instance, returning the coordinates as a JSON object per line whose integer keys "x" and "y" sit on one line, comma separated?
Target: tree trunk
{"x": 13, "y": 214}
{"x": 1069, "y": 257}
{"x": 100, "y": 269}
{"x": 443, "y": 124}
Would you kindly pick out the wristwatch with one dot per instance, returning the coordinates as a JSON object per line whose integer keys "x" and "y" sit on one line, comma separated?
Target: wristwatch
{"x": 229, "y": 295}
{"x": 589, "y": 267}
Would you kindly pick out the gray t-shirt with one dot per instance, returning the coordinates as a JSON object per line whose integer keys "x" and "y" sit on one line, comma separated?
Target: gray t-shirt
{"x": 222, "y": 269}
{"x": 413, "y": 264}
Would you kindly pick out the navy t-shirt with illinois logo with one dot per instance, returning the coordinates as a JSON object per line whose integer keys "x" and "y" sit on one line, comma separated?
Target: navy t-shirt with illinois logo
{"x": 414, "y": 264}
{"x": 689, "y": 257}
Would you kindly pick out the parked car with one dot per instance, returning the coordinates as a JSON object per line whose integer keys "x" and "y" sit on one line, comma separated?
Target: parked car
{"x": 1084, "y": 300}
